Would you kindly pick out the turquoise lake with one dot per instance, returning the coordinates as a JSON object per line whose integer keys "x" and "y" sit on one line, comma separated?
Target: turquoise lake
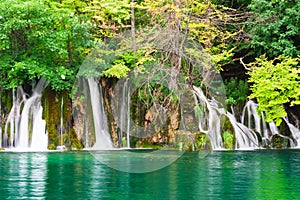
{"x": 263, "y": 174}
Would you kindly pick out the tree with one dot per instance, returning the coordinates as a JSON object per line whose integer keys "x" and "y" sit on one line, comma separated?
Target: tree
{"x": 274, "y": 27}
{"x": 39, "y": 39}
{"x": 212, "y": 24}
{"x": 275, "y": 83}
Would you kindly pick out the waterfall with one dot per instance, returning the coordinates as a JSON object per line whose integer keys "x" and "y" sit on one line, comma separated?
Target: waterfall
{"x": 247, "y": 132}
{"x": 267, "y": 130}
{"x": 12, "y": 124}
{"x": 39, "y": 139}
{"x": 251, "y": 108}
{"x": 25, "y": 129}
{"x": 61, "y": 147}
{"x": 61, "y": 121}
{"x": 102, "y": 136}
{"x": 295, "y": 133}
{"x": 245, "y": 137}
{"x": 125, "y": 115}
{"x": 257, "y": 123}
{"x": 210, "y": 124}
{"x": 209, "y": 119}
{"x": 26, "y": 117}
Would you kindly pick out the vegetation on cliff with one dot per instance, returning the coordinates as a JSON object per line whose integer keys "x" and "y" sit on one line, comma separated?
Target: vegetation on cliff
{"x": 255, "y": 45}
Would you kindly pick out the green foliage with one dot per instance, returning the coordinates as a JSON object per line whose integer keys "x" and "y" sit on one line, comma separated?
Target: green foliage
{"x": 236, "y": 91}
{"x": 220, "y": 55}
{"x": 40, "y": 39}
{"x": 127, "y": 61}
{"x": 118, "y": 70}
{"x": 107, "y": 16}
{"x": 210, "y": 23}
{"x": 275, "y": 27}
{"x": 275, "y": 83}
{"x": 146, "y": 144}
{"x": 228, "y": 139}
{"x": 201, "y": 140}
{"x": 73, "y": 140}
{"x": 198, "y": 111}
{"x": 237, "y": 4}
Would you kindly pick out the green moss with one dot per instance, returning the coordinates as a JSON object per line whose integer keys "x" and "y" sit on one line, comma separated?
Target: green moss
{"x": 124, "y": 142}
{"x": 74, "y": 141}
{"x": 226, "y": 125}
{"x": 145, "y": 144}
{"x": 279, "y": 142}
{"x": 51, "y": 115}
{"x": 202, "y": 141}
{"x": 7, "y": 100}
{"x": 52, "y": 102}
{"x": 51, "y": 147}
{"x": 185, "y": 142}
{"x": 228, "y": 139}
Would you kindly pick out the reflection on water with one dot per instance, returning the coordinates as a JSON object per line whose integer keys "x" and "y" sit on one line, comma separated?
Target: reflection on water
{"x": 23, "y": 175}
{"x": 140, "y": 161}
{"x": 221, "y": 175}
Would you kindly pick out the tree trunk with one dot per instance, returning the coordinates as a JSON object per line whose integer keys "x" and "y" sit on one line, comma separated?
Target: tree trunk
{"x": 133, "y": 27}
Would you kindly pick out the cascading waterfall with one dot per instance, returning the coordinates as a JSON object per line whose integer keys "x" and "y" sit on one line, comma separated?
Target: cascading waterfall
{"x": 267, "y": 130}
{"x": 295, "y": 133}
{"x": 25, "y": 129}
{"x": 102, "y": 136}
{"x": 39, "y": 141}
{"x": 245, "y": 137}
{"x": 61, "y": 121}
{"x": 12, "y": 124}
{"x": 125, "y": 114}
{"x": 209, "y": 118}
{"x": 246, "y": 132}
{"x": 210, "y": 124}
{"x": 256, "y": 122}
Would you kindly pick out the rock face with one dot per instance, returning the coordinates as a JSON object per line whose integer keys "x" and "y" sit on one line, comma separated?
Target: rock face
{"x": 62, "y": 127}
{"x": 149, "y": 124}
{"x": 79, "y": 120}
{"x": 107, "y": 85}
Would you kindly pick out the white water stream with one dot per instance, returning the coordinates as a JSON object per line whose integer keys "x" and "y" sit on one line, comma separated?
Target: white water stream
{"x": 25, "y": 129}
{"x": 103, "y": 139}
{"x": 246, "y": 131}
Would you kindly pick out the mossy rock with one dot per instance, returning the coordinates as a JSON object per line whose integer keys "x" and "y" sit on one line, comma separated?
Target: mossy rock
{"x": 75, "y": 142}
{"x": 51, "y": 102}
{"x": 51, "y": 147}
{"x": 185, "y": 142}
{"x": 226, "y": 124}
{"x": 145, "y": 144}
{"x": 228, "y": 140}
{"x": 202, "y": 141}
{"x": 279, "y": 142}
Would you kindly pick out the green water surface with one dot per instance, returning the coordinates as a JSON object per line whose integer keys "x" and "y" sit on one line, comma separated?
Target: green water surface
{"x": 265, "y": 174}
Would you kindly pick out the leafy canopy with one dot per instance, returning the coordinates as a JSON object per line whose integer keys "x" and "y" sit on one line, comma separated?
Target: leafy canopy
{"x": 274, "y": 27}
{"x": 275, "y": 83}
{"x": 40, "y": 39}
